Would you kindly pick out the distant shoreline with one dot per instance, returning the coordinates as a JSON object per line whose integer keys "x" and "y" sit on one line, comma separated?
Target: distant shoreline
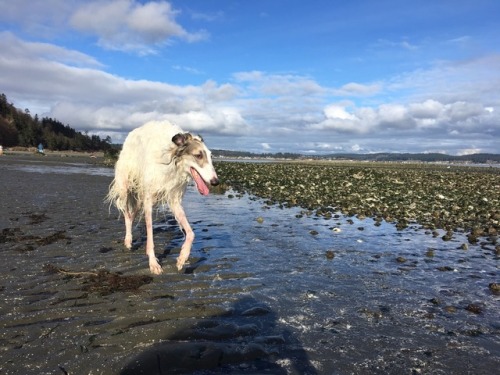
{"x": 76, "y": 156}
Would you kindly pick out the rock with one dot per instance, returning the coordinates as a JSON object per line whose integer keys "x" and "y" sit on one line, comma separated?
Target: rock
{"x": 445, "y": 268}
{"x": 448, "y": 236}
{"x": 472, "y": 238}
{"x": 435, "y": 301}
{"x": 494, "y": 287}
{"x": 450, "y": 309}
{"x": 474, "y": 308}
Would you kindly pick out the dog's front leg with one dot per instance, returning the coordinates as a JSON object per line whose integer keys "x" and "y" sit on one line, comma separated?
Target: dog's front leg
{"x": 181, "y": 218}
{"x": 154, "y": 266}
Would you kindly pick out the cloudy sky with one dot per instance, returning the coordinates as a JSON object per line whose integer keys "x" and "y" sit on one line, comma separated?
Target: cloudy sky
{"x": 322, "y": 76}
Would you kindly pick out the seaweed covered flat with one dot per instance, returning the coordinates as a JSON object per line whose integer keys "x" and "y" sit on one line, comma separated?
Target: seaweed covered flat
{"x": 456, "y": 199}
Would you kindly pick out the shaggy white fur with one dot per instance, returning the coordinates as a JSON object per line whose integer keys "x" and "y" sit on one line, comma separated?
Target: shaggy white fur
{"x": 154, "y": 167}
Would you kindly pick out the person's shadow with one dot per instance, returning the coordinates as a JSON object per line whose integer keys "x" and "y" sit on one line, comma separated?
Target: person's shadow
{"x": 245, "y": 341}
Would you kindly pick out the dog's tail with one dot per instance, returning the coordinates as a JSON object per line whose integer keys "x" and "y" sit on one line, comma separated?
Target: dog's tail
{"x": 122, "y": 196}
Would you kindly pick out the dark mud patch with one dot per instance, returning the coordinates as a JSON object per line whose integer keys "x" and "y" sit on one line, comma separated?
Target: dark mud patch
{"x": 30, "y": 242}
{"x": 103, "y": 282}
{"x": 37, "y": 218}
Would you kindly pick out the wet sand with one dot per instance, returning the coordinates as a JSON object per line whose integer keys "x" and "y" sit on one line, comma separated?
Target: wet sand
{"x": 264, "y": 290}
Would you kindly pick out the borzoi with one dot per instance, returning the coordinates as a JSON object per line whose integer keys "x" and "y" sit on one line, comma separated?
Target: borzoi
{"x": 154, "y": 167}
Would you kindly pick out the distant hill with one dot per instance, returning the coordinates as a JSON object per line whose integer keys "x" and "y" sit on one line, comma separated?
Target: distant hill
{"x": 19, "y": 128}
{"x": 383, "y": 157}
{"x": 427, "y": 157}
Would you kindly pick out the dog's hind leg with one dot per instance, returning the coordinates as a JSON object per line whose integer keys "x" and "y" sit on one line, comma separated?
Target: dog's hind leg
{"x": 129, "y": 215}
{"x": 126, "y": 202}
{"x": 181, "y": 218}
{"x": 154, "y": 266}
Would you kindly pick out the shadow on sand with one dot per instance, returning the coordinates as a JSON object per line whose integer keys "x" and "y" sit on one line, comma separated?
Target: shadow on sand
{"x": 247, "y": 340}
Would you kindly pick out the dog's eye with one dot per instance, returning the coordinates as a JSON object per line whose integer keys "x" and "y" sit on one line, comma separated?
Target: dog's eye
{"x": 199, "y": 156}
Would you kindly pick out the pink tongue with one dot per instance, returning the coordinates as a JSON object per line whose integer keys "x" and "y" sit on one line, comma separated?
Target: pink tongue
{"x": 200, "y": 184}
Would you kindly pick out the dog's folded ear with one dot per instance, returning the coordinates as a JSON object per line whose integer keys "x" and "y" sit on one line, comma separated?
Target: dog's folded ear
{"x": 180, "y": 139}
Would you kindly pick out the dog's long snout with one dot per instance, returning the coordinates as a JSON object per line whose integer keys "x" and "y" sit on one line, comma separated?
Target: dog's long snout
{"x": 214, "y": 181}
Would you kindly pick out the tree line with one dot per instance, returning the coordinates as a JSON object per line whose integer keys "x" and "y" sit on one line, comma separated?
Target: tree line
{"x": 19, "y": 128}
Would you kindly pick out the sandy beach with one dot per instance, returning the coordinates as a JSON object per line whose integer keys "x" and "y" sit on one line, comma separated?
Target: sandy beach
{"x": 264, "y": 290}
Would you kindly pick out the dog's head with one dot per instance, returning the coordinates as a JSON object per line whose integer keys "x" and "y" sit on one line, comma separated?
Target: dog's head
{"x": 192, "y": 156}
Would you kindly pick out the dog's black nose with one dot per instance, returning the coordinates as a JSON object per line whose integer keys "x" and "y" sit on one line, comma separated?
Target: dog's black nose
{"x": 214, "y": 181}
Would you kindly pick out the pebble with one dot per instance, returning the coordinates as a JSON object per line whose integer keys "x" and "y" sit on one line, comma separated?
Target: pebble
{"x": 330, "y": 254}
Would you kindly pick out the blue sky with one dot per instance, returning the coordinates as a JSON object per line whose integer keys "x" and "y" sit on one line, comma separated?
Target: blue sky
{"x": 313, "y": 77}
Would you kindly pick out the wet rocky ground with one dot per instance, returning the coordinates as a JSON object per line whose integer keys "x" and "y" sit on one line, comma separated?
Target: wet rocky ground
{"x": 268, "y": 289}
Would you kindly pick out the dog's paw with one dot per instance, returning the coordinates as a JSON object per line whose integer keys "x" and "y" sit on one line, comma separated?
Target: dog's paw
{"x": 155, "y": 267}
{"x": 128, "y": 242}
{"x": 180, "y": 262}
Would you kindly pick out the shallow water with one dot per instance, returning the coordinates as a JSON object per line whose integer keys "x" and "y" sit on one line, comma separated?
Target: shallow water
{"x": 264, "y": 291}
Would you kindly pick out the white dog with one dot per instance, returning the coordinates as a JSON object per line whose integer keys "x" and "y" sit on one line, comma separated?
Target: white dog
{"x": 154, "y": 167}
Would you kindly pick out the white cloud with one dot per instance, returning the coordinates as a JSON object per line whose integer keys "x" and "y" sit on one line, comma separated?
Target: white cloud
{"x": 41, "y": 18}
{"x": 335, "y": 111}
{"x": 129, "y": 25}
{"x": 93, "y": 100}
{"x": 450, "y": 119}
{"x": 279, "y": 84}
{"x": 358, "y": 89}
{"x": 18, "y": 49}
{"x": 266, "y": 146}
{"x": 124, "y": 25}
{"x": 429, "y": 109}
{"x": 469, "y": 151}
